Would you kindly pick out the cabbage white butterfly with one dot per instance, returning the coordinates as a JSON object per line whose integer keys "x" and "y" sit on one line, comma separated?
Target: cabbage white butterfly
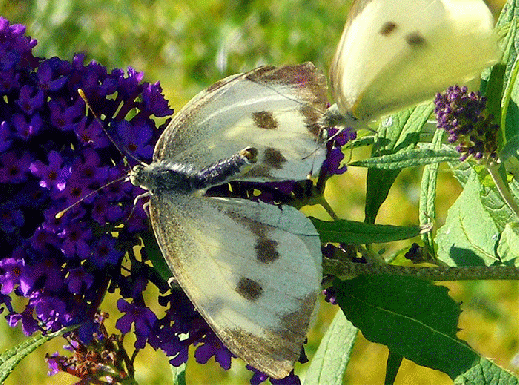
{"x": 252, "y": 269}
{"x": 395, "y": 53}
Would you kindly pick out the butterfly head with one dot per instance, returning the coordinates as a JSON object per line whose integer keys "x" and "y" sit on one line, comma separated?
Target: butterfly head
{"x": 164, "y": 176}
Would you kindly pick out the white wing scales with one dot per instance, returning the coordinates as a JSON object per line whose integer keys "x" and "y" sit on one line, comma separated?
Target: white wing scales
{"x": 253, "y": 270}
{"x": 275, "y": 110}
{"x": 394, "y": 53}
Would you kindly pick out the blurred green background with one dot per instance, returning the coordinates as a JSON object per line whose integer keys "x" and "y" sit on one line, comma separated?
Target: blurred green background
{"x": 188, "y": 45}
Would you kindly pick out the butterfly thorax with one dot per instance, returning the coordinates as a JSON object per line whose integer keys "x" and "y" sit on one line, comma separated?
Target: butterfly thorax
{"x": 166, "y": 176}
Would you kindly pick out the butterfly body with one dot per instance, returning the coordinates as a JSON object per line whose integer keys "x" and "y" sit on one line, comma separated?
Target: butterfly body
{"x": 164, "y": 176}
{"x": 252, "y": 269}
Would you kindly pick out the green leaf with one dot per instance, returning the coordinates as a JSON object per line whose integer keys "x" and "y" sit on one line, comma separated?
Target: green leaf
{"x": 155, "y": 256}
{"x": 329, "y": 362}
{"x": 510, "y": 149}
{"x": 469, "y": 235}
{"x": 508, "y": 246}
{"x": 179, "y": 374}
{"x": 408, "y": 158}
{"x": 357, "y": 233}
{"x": 396, "y": 133}
{"x": 361, "y": 142}
{"x": 414, "y": 318}
{"x": 10, "y": 358}
{"x": 494, "y": 93}
{"x": 462, "y": 171}
{"x": 487, "y": 373}
{"x": 507, "y": 24}
{"x": 492, "y": 200}
{"x": 510, "y": 111}
{"x": 427, "y": 209}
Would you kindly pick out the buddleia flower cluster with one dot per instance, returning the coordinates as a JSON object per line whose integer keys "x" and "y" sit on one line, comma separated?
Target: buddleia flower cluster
{"x": 54, "y": 153}
{"x": 463, "y": 116}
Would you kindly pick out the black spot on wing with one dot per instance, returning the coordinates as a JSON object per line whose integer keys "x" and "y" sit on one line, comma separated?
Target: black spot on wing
{"x": 265, "y": 246}
{"x": 312, "y": 119}
{"x": 415, "y": 39}
{"x": 266, "y": 249}
{"x": 265, "y": 120}
{"x": 388, "y": 28}
{"x": 249, "y": 289}
{"x": 273, "y": 158}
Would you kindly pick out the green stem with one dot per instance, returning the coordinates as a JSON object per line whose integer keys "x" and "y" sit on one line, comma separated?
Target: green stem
{"x": 328, "y": 208}
{"x": 348, "y": 270}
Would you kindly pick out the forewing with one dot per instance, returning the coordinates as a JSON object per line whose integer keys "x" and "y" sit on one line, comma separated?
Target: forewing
{"x": 252, "y": 270}
{"x": 275, "y": 110}
{"x": 394, "y": 53}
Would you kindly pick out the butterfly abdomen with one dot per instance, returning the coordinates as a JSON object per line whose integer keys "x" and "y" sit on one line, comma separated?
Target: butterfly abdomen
{"x": 165, "y": 176}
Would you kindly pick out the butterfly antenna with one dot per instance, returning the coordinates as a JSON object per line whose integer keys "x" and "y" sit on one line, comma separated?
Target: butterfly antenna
{"x": 62, "y": 212}
{"x": 124, "y": 153}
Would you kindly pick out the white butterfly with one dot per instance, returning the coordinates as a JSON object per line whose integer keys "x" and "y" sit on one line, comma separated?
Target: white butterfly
{"x": 394, "y": 53}
{"x": 253, "y": 270}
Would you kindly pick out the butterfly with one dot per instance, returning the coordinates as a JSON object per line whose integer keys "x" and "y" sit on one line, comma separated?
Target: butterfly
{"x": 252, "y": 269}
{"x": 395, "y": 53}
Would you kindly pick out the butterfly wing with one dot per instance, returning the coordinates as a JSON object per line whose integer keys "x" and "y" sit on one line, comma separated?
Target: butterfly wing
{"x": 395, "y": 53}
{"x": 253, "y": 270}
{"x": 275, "y": 110}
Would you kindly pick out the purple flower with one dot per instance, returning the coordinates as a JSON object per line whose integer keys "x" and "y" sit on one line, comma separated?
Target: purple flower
{"x": 142, "y": 318}
{"x": 105, "y": 212}
{"x": 29, "y": 323}
{"x": 53, "y": 312}
{"x": 6, "y": 300}
{"x": 12, "y": 273}
{"x": 334, "y": 154}
{"x": 138, "y": 220}
{"x": 11, "y": 217}
{"x": 49, "y": 78}
{"x": 53, "y": 175}
{"x": 13, "y": 168}
{"x": 463, "y": 116}
{"x": 48, "y": 273}
{"x": 44, "y": 242}
{"x": 53, "y": 364}
{"x": 92, "y": 134}
{"x": 65, "y": 117}
{"x": 76, "y": 188}
{"x": 76, "y": 238}
{"x": 30, "y": 99}
{"x": 135, "y": 138}
{"x": 79, "y": 280}
{"x": 213, "y": 347}
{"x": 104, "y": 254}
{"x": 154, "y": 101}
{"x": 258, "y": 377}
{"x": 27, "y": 129}
{"x": 5, "y": 136}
